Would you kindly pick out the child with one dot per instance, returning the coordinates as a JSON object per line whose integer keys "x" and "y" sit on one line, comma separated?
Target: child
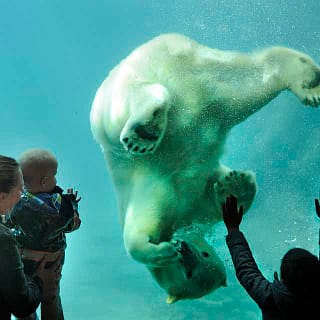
{"x": 40, "y": 220}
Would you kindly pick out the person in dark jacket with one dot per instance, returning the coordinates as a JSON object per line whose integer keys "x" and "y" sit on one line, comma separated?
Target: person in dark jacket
{"x": 40, "y": 220}
{"x": 19, "y": 295}
{"x": 317, "y": 204}
{"x": 295, "y": 296}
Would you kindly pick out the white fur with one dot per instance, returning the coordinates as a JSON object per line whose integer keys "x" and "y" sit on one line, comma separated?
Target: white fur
{"x": 162, "y": 116}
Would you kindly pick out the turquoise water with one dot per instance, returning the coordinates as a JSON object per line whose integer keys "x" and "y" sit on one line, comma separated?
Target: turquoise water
{"x": 53, "y": 57}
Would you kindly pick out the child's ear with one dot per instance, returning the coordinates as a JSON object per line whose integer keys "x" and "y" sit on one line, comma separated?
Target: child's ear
{"x": 3, "y": 196}
{"x": 44, "y": 181}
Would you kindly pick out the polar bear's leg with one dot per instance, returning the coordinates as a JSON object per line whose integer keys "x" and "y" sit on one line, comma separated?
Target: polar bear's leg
{"x": 149, "y": 220}
{"x": 147, "y": 123}
{"x": 142, "y": 248}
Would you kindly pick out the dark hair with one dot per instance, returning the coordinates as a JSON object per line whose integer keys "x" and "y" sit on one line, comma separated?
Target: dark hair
{"x": 300, "y": 272}
{"x": 8, "y": 173}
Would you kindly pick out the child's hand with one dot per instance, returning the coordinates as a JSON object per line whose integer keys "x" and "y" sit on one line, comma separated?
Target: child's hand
{"x": 73, "y": 195}
{"x": 317, "y": 204}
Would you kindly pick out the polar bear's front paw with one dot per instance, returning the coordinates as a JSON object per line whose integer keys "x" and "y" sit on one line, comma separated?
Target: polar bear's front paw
{"x": 141, "y": 138}
{"x": 164, "y": 253}
{"x": 241, "y": 184}
{"x": 309, "y": 91}
{"x": 152, "y": 254}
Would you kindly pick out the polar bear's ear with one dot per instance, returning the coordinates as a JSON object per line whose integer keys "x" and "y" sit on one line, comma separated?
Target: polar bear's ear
{"x": 172, "y": 299}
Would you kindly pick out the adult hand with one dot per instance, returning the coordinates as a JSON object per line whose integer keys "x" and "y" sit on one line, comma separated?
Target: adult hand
{"x": 50, "y": 275}
{"x": 231, "y": 215}
{"x": 317, "y": 204}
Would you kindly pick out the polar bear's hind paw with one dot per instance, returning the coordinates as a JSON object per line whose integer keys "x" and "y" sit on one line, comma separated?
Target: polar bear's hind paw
{"x": 142, "y": 137}
{"x": 241, "y": 184}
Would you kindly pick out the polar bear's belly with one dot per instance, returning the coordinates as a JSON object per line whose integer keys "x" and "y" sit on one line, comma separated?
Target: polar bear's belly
{"x": 181, "y": 184}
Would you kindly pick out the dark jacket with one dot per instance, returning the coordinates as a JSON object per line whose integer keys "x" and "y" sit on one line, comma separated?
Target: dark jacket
{"x": 39, "y": 225}
{"x": 18, "y": 295}
{"x": 273, "y": 298}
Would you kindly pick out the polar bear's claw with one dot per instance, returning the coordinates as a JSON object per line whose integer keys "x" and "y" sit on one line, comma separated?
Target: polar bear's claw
{"x": 137, "y": 146}
{"x": 312, "y": 101}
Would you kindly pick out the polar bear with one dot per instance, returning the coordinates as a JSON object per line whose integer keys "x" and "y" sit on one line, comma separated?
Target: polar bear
{"x": 162, "y": 117}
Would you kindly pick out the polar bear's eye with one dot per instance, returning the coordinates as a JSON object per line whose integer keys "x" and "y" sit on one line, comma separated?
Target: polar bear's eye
{"x": 303, "y": 60}
{"x": 156, "y": 113}
{"x": 205, "y": 254}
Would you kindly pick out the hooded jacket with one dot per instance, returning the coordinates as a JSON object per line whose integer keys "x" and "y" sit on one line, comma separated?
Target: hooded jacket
{"x": 39, "y": 226}
{"x": 273, "y": 298}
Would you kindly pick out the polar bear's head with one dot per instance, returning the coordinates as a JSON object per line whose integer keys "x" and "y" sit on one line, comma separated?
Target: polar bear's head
{"x": 200, "y": 270}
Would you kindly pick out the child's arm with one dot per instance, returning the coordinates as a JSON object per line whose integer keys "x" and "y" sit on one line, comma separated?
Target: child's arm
{"x": 72, "y": 199}
{"x": 317, "y": 204}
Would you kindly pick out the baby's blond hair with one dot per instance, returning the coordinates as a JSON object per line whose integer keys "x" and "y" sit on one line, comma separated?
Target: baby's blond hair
{"x": 35, "y": 164}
